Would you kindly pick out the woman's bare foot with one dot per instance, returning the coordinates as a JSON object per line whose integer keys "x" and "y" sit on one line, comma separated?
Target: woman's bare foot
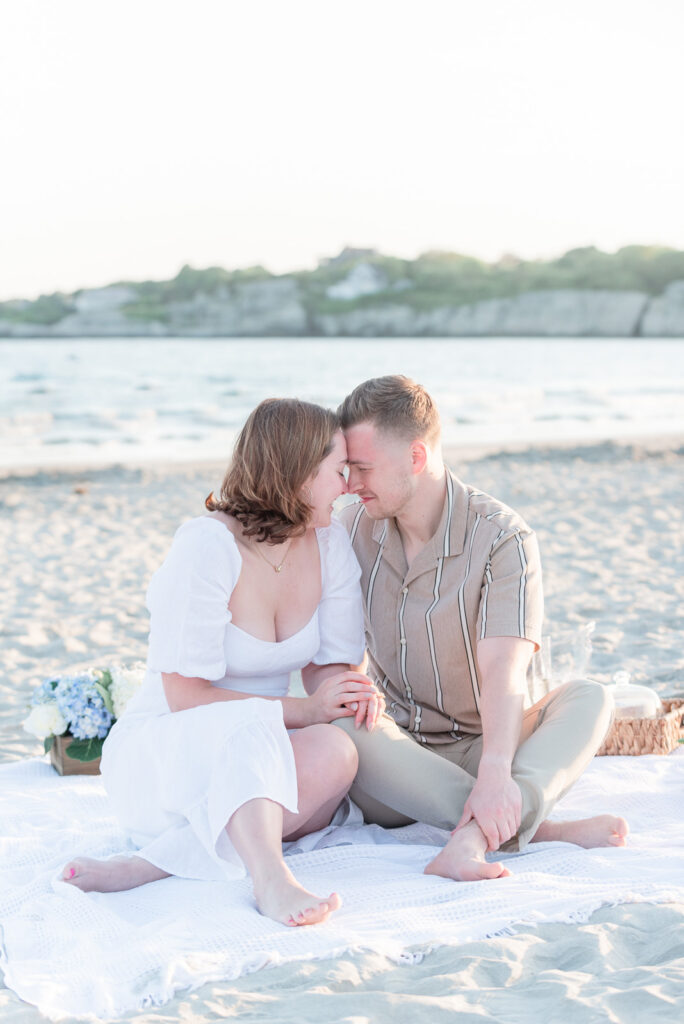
{"x": 463, "y": 857}
{"x": 282, "y": 898}
{"x": 603, "y": 830}
{"x": 113, "y": 875}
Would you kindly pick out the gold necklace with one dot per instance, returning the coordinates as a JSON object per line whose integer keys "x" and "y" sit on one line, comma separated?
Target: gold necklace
{"x": 276, "y": 568}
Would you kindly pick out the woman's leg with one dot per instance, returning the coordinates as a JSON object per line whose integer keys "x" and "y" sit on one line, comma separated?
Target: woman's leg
{"x": 326, "y": 762}
{"x": 113, "y": 875}
{"x": 256, "y": 831}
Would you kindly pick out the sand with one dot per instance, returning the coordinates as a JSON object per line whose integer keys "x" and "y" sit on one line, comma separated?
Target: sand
{"x": 79, "y": 547}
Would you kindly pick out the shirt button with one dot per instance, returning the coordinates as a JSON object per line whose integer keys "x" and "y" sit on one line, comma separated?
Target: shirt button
{"x": 403, "y": 641}
{"x": 405, "y": 590}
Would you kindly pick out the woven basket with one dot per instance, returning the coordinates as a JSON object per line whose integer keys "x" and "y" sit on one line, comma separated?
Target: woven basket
{"x": 646, "y": 735}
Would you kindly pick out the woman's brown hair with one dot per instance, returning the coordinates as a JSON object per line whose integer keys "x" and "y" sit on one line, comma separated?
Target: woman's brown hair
{"x": 280, "y": 446}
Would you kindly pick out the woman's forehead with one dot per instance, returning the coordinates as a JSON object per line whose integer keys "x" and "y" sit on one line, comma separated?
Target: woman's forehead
{"x": 339, "y": 448}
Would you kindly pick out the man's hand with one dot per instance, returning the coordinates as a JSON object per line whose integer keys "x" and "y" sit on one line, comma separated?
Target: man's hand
{"x": 495, "y": 803}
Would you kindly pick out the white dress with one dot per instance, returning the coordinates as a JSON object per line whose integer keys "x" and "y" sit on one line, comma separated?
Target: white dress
{"x": 175, "y": 778}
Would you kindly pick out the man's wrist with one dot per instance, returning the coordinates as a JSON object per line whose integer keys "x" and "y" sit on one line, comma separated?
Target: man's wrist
{"x": 494, "y": 764}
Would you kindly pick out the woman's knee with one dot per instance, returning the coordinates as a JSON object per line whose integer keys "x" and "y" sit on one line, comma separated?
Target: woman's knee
{"x": 340, "y": 751}
{"x": 327, "y": 750}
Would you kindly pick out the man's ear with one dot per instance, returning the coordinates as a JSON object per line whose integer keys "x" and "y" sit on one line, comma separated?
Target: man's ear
{"x": 419, "y": 456}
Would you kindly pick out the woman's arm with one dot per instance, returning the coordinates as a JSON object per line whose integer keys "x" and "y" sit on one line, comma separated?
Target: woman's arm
{"x": 329, "y": 701}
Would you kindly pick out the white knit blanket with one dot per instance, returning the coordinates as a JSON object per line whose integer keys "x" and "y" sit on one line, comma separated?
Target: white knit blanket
{"x": 100, "y": 955}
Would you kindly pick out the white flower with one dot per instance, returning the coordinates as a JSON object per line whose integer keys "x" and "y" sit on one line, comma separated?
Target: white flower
{"x": 125, "y": 683}
{"x": 45, "y": 720}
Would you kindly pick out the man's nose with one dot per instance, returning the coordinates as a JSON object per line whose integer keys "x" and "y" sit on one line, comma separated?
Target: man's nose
{"x": 354, "y": 480}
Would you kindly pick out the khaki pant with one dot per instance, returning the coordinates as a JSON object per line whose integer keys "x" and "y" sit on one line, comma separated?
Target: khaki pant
{"x": 401, "y": 780}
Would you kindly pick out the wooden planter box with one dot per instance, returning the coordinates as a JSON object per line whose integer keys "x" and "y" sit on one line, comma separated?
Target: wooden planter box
{"x": 66, "y": 765}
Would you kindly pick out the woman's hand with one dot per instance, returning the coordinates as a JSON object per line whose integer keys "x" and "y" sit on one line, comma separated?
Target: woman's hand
{"x": 345, "y": 695}
{"x": 369, "y": 708}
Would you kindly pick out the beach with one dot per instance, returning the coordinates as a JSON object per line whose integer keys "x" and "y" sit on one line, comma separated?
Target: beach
{"x": 79, "y": 548}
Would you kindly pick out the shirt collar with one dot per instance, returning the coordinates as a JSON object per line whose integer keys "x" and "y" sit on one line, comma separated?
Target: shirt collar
{"x": 448, "y": 539}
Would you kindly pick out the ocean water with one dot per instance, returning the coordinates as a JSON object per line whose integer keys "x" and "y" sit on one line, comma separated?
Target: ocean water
{"x": 99, "y": 402}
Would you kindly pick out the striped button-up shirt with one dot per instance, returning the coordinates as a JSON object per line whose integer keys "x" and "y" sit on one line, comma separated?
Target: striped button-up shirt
{"x": 479, "y": 576}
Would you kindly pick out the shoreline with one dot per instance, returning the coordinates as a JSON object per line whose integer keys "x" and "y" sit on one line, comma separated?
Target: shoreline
{"x": 363, "y": 338}
{"x": 640, "y": 446}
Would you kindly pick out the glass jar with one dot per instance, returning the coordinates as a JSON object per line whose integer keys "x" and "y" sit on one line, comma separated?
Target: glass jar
{"x": 633, "y": 700}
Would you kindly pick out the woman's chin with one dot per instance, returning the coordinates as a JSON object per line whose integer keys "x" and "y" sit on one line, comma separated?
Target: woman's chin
{"x": 321, "y": 518}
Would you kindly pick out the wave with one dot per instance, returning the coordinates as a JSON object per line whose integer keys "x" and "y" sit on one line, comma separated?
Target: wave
{"x": 113, "y": 400}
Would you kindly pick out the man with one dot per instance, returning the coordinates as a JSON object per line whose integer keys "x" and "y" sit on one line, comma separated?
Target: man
{"x": 451, "y": 581}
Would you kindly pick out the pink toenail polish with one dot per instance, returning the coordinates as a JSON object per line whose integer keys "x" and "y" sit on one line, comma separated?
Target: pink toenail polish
{"x": 72, "y": 873}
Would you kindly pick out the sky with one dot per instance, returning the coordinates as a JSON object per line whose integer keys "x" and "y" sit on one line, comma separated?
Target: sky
{"x": 140, "y": 135}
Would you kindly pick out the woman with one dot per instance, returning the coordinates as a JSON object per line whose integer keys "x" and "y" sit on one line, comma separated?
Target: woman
{"x": 207, "y": 779}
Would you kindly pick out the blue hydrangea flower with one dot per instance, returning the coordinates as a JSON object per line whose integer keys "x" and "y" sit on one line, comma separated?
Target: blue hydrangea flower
{"x": 44, "y": 693}
{"x": 83, "y": 707}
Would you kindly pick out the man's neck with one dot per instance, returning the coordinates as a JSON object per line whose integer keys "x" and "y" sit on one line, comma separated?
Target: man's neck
{"x": 418, "y": 521}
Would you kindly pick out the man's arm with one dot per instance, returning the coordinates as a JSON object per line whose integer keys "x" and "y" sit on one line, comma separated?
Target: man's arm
{"x": 496, "y": 802}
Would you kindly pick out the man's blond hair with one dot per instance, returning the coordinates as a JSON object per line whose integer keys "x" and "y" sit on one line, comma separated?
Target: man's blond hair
{"x": 394, "y": 404}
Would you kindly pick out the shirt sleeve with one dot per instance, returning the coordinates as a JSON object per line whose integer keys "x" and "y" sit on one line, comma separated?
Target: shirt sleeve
{"x": 511, "y": 602}
{"x": 340, "y": 613}
{"x": 188, "y": 601}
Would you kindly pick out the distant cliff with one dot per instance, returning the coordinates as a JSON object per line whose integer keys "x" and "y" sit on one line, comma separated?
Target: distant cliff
{"x": 638, "y": 291}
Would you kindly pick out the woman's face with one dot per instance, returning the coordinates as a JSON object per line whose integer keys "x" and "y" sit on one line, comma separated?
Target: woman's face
{"x": 328, "y": 483}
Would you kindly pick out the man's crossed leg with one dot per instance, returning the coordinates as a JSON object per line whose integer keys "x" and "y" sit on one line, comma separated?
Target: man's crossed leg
{"x": 401, "y": 780}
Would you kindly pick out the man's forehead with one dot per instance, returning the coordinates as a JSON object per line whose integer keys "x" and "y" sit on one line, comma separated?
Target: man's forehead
{"x": 366, "y": 444}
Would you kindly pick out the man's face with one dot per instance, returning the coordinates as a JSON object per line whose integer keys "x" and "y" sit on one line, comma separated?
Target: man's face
{"x": 379, "y": 470}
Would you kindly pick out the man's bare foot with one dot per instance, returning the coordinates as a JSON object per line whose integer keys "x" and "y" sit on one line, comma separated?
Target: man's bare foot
{"x": 603, "y": 830}
{"x": 463, "y": 857}
{"x": 113, "y": 875}
{"x": 282, "y": 898}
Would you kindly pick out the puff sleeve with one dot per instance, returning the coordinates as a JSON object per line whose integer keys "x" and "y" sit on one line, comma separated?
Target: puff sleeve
{"x": 340, "y": 613}
{"x": 188, "y": 601}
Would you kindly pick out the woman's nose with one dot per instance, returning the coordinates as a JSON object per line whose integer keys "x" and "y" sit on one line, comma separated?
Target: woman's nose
{"x": 353, "y": 481}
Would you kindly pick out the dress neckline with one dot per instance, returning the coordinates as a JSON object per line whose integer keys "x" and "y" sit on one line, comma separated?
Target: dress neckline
{"x": 275, "y": 643}
{"x": 257, "y": 639}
